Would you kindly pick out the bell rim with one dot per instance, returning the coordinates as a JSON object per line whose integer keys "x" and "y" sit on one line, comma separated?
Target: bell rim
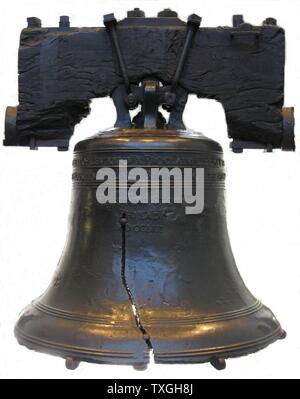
{"x": 120, "y": 358}
{"x": 138, "y": 352}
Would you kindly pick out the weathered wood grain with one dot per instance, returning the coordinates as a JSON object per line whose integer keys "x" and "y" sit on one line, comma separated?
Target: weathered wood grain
{"x": 61, "y": 70}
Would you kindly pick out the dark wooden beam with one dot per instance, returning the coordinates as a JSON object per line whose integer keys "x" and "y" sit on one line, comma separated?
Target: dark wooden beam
{"x": 62, "y": 69}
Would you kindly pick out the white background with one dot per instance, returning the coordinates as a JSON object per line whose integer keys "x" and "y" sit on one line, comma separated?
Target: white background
{"x": 263, "y": 197}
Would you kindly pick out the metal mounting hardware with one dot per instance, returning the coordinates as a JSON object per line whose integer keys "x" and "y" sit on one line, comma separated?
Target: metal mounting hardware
{"x": 237, "y": 20}
{"x": 193, "y": 24}
{"x": 238, "y": 146}
{"x": 150, "y": 104}
{"x": 136, "y": 13}
{"x": 110, "y": 23}
{"x": 270, "y": 21}
{"x": 167, "y": 13}
{"x": 33, "y": 22}
{"x": 64, "y": 21}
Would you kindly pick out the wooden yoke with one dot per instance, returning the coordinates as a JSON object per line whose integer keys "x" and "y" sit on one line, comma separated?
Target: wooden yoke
{"x": 62, "y": 69}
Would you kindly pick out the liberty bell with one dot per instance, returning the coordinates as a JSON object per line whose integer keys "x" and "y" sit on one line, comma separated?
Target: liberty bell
{"x": 148, "y": 267}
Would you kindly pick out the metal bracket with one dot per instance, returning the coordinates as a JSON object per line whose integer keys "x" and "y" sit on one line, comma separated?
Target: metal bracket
{"x": 110, "y": 24}
{"x": 150, "y": 104}
{"x": 193, "y": 24}
{"x": 150, "y": 95}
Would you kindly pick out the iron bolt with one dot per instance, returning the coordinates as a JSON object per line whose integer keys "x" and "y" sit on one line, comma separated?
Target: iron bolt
{"x": 237, "y": 20}
{"x": 169, "y": 99}
{"x": 270, "y": 21}
{"x": 167, "y": 12}
{"x": 109, "y": 20}
{"x": 194, "y": 21}
{"x": 131, "y": 101}
{"x": 135, "y": 13}
{"x": 33, "y": 22}
{"x": 64, "y": 21}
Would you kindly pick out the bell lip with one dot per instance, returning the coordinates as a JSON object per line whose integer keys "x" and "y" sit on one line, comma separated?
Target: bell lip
{"x": 110, "y": 357}
{"x": 57, "y": 335}
{"x": 226, "y": 353}
{"x": 176, "y": 350}
{"x": 147, "y": 139}
{"x": 114, "y": 358}
{"x": 233, "y": 351}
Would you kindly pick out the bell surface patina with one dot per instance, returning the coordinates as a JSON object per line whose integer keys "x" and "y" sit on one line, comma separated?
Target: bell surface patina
{"x": 178, "y": 269}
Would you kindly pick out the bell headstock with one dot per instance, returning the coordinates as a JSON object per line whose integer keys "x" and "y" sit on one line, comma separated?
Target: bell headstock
{"x": 151, "y": 62}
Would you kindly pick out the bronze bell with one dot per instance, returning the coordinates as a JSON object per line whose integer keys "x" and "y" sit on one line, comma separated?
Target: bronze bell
{"x": 140, "y": 277}
{"x": 148, "y": 277}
